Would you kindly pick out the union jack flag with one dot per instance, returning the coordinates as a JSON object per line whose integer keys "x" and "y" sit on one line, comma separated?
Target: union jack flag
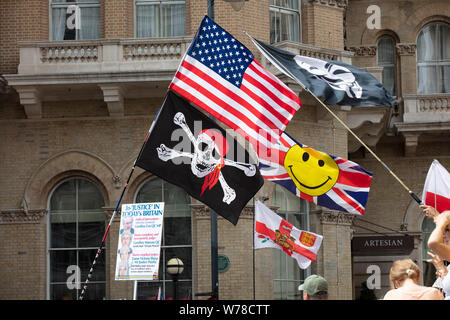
{"x": 348, "y": 194}
{"x": 221, "y": 76}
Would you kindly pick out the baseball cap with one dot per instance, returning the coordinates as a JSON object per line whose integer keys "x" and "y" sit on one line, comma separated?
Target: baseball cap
{"x": 314, "y": 285}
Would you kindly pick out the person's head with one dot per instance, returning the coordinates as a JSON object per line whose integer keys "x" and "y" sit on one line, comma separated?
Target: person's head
{"x": 124, "y": 253}
{"x": 123, "y": 269}
{"x": 403, "y": 270}
{"x": 314, "y": 288}
{"x": 126, "y": 238}
{"x": 127, "y": 222}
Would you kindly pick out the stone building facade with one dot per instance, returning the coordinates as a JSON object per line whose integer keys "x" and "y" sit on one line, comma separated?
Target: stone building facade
{"x": 410, "y": 37}
{"x": 74, "y": 115}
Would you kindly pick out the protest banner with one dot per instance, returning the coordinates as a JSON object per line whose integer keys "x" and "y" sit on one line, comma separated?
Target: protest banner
{"x": 139, "y": 241}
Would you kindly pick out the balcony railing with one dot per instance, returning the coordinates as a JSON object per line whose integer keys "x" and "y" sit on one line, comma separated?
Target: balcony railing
{"x": 104, "y": 55}
{"x": 427, "y": 108}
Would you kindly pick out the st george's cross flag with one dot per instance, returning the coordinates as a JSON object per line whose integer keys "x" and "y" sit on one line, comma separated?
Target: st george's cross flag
{"x": 321, "y": 178}
{"x": 436, "y": 191}
{"x": 189, "y": 150}
{"x": 271, "y": 231}
{"x": 221, "y": 76}
{"x": 335, "y": 81}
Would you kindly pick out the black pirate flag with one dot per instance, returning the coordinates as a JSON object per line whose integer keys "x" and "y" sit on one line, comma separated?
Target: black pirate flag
{"x": 188, "y": 149}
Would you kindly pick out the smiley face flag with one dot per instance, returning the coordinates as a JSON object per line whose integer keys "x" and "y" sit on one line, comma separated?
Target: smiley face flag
{"x": 321, "y": 178}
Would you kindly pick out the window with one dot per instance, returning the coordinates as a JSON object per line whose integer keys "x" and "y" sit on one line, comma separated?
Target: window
{"x": 433, "y": 59}
{"x": 160, "y": 18}
{"x": 429, "y": 271}
{"x": 63, "y": 17}
{"x": 287, "y": 274}
{"x": 176, "y": 239}
{"x": 386, "y": 59}
{"x": 284, "y": 20}
{"x": 76, "y": 226}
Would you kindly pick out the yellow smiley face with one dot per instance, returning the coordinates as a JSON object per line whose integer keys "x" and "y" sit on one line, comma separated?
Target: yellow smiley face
{"x": 312, "y": 171}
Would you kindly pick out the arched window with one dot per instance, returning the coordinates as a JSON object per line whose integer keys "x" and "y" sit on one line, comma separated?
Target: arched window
{"x": 429, "y": 271}
{"x": 287, "y": 274}
{"x": 433, "y": 59}
{"x": 76, "y": 226}
{"x": 176, "y": 239}
{"x": 386, "y": 59}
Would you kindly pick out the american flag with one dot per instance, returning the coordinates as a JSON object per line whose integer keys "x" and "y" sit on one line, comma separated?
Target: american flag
{"x": 221, "y": 76}
{"x": 349, "y": 193}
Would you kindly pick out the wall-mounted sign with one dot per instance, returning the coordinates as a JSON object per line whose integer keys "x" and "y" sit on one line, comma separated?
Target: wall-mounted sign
{"x": 382, "y": 245}
{"x": 223, "y": 262}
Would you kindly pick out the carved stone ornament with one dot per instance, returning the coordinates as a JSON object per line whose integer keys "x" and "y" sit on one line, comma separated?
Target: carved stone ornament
{"x": 406, "y": 49}
{"x": 109, "y": 213}
{"x": 336, "y": 217}
{"x": 332, "y": 3}
{"x": 200, "y": 211}
{"x": 364, "y": 51}
{"x": 18, "y": 216}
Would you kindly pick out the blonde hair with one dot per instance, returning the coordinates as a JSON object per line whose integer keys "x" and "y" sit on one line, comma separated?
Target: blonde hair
{"x": 402, "y": 270}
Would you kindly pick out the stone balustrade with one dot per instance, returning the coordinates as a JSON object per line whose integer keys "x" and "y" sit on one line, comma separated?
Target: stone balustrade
{"x": 427, "y": 107}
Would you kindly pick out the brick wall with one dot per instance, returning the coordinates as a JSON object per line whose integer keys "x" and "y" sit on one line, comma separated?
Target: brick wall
{"x": 16, "y": 17}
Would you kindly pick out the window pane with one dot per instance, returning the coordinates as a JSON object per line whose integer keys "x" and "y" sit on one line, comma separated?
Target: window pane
{"x": 275, "y": 26}
{"x": 150, "y": 192}
{"x": 60, "y": 260}
{"x": 90, "y": 233}
{"x": 184, "y": 290}
{"x": 289, "y": 26}
{"x": 177, "y": 231}
{"x": 63, "y": 235}
{"x": 147, "y": 20}
{"x": 173, "y": 20}
{"x": 90, "y": 23}
{"x": 62, "y": 292}
{"x": 433, "y": 54}
{"x": 149, "y": 290}
{"x": 64, "y": 198}
{"x": 160, "y": 19}
{"x": 89, "y": 196}
{"x": 385, "y": 51}
{"x": 58, "y": 23}
{"x": 427, "y": 79}
{"x": 95, "y": 291}
{"x": 85, "y": 259}
{"x": 185, "y": 254}
{"x": 388, "y": 79}
{"x": 426, "y": 47}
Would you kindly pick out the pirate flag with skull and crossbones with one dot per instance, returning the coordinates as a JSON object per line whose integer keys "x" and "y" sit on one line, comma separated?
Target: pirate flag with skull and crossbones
{"x": 188, "y": 149}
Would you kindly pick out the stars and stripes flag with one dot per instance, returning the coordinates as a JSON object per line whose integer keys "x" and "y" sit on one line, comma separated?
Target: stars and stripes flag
{"x": 271, "y": 231}
{"x": 221, "y": 76}
{"x": 321, "y": 178}
{"x": 436, "y": 191}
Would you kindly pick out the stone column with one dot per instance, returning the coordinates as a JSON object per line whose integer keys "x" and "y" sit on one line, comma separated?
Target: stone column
{"x": 334, "y": 260}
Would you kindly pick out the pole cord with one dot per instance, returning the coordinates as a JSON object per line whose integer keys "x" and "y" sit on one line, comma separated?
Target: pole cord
{"x": 290, "y": 74}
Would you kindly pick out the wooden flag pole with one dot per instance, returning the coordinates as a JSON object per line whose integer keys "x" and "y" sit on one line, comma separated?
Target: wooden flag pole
{"x": 271, "y": 58}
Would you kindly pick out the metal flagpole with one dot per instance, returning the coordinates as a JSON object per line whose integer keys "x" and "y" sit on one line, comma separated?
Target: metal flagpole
{"x": 287, "y": 71}
{"x": 214, "y": 245}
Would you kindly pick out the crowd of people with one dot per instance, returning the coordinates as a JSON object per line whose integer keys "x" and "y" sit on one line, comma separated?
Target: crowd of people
{"x": 405, "y": 274}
